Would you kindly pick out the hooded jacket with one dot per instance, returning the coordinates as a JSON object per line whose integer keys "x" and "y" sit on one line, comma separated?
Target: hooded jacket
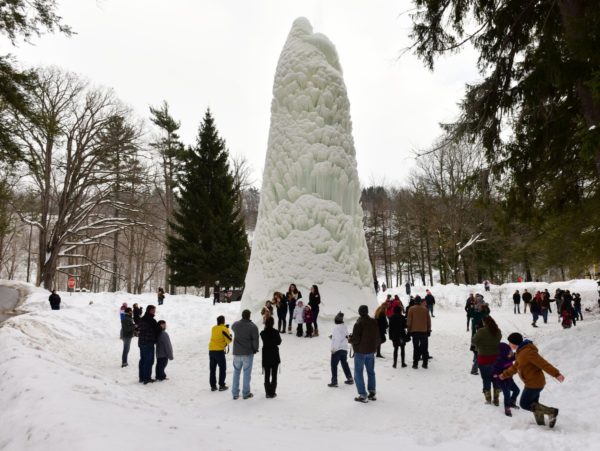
{"x": 365, "y": 335}
{"x": 220, "y": 337}
{"x": 531, "y": 366}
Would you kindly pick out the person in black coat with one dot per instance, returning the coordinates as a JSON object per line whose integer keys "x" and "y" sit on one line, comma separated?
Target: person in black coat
{"x": 127, "y": 332}
{"x": 54, "y": 300}
{"x": 147, "y": 338}
{"x": 314, "y": 301}
{"x": 270, "y": 356}
{"x": 382, "y": 323}
{"x": 517, "y": 302}
{"x": 137, "y": 313}
{"x": 281, "y": 303}
{"x": 292, "y": 297}
{"x": 398, "y": 334}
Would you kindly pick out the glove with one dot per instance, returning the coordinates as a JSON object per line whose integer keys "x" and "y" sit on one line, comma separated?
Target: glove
{"x": 429, "y": 333}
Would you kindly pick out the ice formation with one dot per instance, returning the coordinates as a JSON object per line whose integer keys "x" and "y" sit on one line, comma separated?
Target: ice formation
{"x": 309, "y": 229}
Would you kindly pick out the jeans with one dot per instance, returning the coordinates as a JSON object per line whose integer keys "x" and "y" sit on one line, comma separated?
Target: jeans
{"x": 525, "y": 308}
{"x": 360, "y": 362}
{"x": 430, "y": 308}
{"x": 241, "y": 362}
{"x": 217, "y": 359}
{"x": 517, "y": 308}
{"x": 545, "y": 314}
{"x": 420, "y": 347}
{"x": 578, "y": 313}
{"x": 146, "y": 361}
{"x": 340, "y": 356}
{"x": 161, "y": 364}
{"x": 486, "y": 376}
{"x": 529, "y": 397}
{"x": 281, "y": 323}
{"x": 126, "y": 346}
{"x": 535, "y": 316}
{"x": 510, "y": 392}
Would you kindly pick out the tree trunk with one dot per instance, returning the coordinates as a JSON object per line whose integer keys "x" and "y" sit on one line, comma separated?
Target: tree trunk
{"x": 428, "y": 249}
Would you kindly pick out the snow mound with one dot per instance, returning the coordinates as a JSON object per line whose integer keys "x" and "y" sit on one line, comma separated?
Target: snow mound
{"x": 309, "y": 228}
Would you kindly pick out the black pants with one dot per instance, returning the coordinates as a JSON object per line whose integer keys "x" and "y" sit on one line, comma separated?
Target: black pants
{"x": 281, "y": 323}
{"x": 420, "y": 347}
{"x": 299, "y": 330}
{"x": 399, "y": 344}
{"x": 315, "y": 313}
{"x": 161, "y": 364}
{"x": 146, "y": 361}
{"x": 271, "y": 374}
{"x": 309, "y": 329}
{"x": 217, "y": 358}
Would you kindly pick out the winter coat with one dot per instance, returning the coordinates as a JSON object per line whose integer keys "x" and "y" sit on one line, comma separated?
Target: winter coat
{"x": 161, "y": 295}
{"x": 382, "y": 323}
{"x": 503, "y": 362}
{"x": 314, "y": 300}
{"x": 365, "y": 335}
{"x": 486, "y": 343}
{"x": 545, "y": 304}
{"x": 54, "y": 299}
{"x": 149, "y": 330}
{"x": 137, "y": 314}
{"x": 339, "y": 338}
{"x": 270, "y": 351}
{"x": 220, "y": 337}
{"x": 390, "y": 310}
{"x": 397, "y": 329}
{"x": 531, "y": 366}
{"x": 127, "y": 327}
{"x": 299, "y": 314}
{"x": 527, "y": 297}
{"x": 517, "y": 298}
{"x": 407, "y": 287}
{"x": 282, "y": 308}
{"x": 307, "y": 316}
{"x": 535, "y": 306}
{"x": 245, "y": 338}
{"x": 418, "y": 319}
{"x": 164, "y": 350}
{"x": 477, "y": 313}
{"x": 430, "y": 300}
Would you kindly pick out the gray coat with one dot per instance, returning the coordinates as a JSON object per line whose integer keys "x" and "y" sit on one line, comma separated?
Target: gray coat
{"x": 127, "y": 327}
{"x": 245, "y": 337}
{"x": 163, "y": 346}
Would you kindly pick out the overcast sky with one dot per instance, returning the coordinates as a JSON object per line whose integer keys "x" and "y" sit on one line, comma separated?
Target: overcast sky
{"x": 222, "y": 54}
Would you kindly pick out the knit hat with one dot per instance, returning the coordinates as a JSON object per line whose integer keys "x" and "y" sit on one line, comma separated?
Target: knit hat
{"x": 339, "y": 318}
{"x": 504, "y": 349}
{"x": 363, "y": 310}
{"x": 515, "y": 338}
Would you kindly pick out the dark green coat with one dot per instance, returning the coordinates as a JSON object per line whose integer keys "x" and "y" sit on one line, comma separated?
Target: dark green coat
{"x": 485, "y": 342}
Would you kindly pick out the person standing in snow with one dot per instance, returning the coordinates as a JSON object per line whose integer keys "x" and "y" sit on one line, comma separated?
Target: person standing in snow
{"x": 382, "y": 324}
{"x": 307, "y": 317}
{"x": 407, "y": 288}
{"x": 545, "y": 307}
{"x": 292, "y": 297}
{"x": 517, "y": 302}
{"x": 510, "y": 390}
{"x": 54, "y": 300}
{"x": 479, "y": 311}
{"x": 314, "y": 301}
{"x": 526, "y": 299}
{"x": 418, "y": 323}
{"x": 164, "y": 351}
{"x": 398, "y": 335}
{"x": 127, "y": 332}
{"x": 339, "y": 351}
{"x": 486, "y": 285}
{"x": 299, "y": 318}
{"x": 281, "y": 304}
{"x": 137, "y": 313}
{"x": 147, "y": 338}
{"x": 469, "y": 305}
{"x": 122, "y": 311}
{"x": 216, "y": 293}
{"x": 245, "y": 345}
{"x": 536, "y": 308}
{"x": 376, "y": 286}
{"x": 220, "y": 337}
{"x": 486, "y": 342}
{"x": 577, "y": 306}
{"x": 267, "y": 311}
{"x": 531, "y": 367}
{"x": 270, "y": 356}
{"x": 365, "y": 340}
{"x": 161, "y": 296}
{"x": 430, "y": 302}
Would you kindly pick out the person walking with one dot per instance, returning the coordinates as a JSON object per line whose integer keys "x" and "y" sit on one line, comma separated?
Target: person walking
{"x": 365, "y": 340}
{"x": 486, "y": 342}
{"x": 510, "y": 390}
{"x": 54, "y": 300}
{"x": 127, "y": 332}
{"x": 245, "y": 345}
{"x": 164, "y": 352}
{"x": 430, "y": 302}
{"x": 536, "y": 308}
{"x": 270, "y": 356}
{"x": 526, "y": 299}
{"x": 147, "y": 338}
{"x": 220, "y": 337}
{"x": 545, "y": 307}
{"x": 382, "y": 324}
{"x": 419, "y": 328}
{"x": 314, "y": 301}
{"x": 530, "y": 366}
{"x": 517, "y": 302}
{"x": 281, "y": 304}
{"x": 398, "y": 335}
{"x": 339, "y": 351}
{"x": 161, "y": 296}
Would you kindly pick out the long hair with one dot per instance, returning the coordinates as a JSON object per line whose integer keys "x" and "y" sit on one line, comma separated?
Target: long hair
{"x": 316, "y": 290}
{"x": 489, "y": 322}
{"x": 381, "y": 310}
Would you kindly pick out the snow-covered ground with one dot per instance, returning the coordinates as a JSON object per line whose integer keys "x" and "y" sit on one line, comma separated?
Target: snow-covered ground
{"x": 62, "y": 387}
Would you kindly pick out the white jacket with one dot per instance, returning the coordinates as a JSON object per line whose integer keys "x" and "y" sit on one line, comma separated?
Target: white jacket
{"x": 299, "y": 314}
{"x": 339, "y": 338}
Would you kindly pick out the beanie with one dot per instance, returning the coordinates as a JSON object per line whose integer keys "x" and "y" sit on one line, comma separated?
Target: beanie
{"x": 339, "y": 318}
{"x": 515, "y": 338}
{"x": 363, "y": 310}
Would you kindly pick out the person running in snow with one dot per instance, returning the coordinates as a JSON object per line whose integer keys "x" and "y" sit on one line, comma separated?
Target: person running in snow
{"x": 531, "y": 367}
{"x": 307, "y": 316}
{"x": 270, "y": 356}
{"x": 299, "y": 318}
{"x": 281, "y": 304}
{"x": 430, "y": 302}
{"x": 147, "y": 338}
{"x": 161, "y": 296}
{"x": 292, "y": 297}
{"x": 220, "y": 337}
{"x": 510, "y": 390}
{"x": 339, "y": 351}
{"x": 314, "y": 300}
{"x": 526, "y": 299}
{"x": 398, "y": 335}
{"x": 382, "y": 324}
{"x": 486, "y": 342}
{"x": 245, "y": 345}
{"x": 517, "y": 302}
{"x": 418, "y": 323}
{"x": 127, "y": 333}
{"x": 54, "y": 300}
{"x": 164, "y": 352}
{"x": 365, "y": 340}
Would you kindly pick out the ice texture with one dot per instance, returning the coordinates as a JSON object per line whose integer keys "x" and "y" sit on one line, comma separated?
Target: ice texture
{"x": 309, "y": 228}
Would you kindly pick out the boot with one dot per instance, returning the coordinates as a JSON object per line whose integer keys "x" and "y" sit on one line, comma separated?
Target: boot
{"x": 474, "y": 369}
{"x": 538, "y": 414}
{"x": 488, "y": 396}
{"x": 496, "y": 397}
{"x": 316, "y": 333}
{"x": 273, "y": 388}
{"x": 268, "y": 389}
{"x": 543, "y": 410}
{"x": 507, "y": 412}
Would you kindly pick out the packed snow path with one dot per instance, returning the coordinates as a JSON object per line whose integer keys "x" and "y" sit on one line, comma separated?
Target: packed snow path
{"x": 61, "y": 387}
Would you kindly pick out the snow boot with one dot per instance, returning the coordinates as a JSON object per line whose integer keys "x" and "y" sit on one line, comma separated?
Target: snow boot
{"x": 507, "y": 412}
{"x": 538, "y": 414}
{"x": 543, "y": 410}
{"x": 273, "y": 389}
{"x": 268, "y": 390}
{"x": 349, "y": 382}
{"x": 333, "y": 385}
{"x": 372, "y": 396}
{"x": 361, "y": 399}
{"x": 316, "y": 333}
{"x": 415, "y": 365}
{"x": 488, "y": 396}
{"x": 496, "y": 397}
{"x": 223, "y": 388}
{"x": 404, "y": 365}
{"x": 474, "y": 369}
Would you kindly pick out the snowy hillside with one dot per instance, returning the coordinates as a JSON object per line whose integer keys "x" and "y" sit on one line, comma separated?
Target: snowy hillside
{"x": 62, "y": 387}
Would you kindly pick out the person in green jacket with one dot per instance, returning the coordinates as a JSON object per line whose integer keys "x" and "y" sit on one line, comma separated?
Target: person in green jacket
{"x": 486, "y": 342}
{"x": 476, "y": 312}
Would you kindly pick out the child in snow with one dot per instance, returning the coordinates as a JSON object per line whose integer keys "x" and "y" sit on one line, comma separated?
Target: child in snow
{"x": 164, "y": 351}
{"x": 510, "y": 390}
{"x": 299, "y": 318}
{"x": 308, "y": 320}
{"x": 339, "y": 351}
{"x": 267, "y": 311}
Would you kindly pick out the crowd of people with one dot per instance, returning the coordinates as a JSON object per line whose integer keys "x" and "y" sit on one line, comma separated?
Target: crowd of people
{"x": 567, "y": 305}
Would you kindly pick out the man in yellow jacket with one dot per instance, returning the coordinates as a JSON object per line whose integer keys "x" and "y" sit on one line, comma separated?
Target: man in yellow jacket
{"x": 219, "y": 339}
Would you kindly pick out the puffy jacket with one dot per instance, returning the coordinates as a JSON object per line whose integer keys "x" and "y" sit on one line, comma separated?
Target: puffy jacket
{"x": 365, "y": 335}
{"x": 164, "y": 350}
{"x": 149, "y": 330}
{"x": 339, "y": 338}
{"x": 270, "y": 351}
{"x": 220, "y": 337}
{"x": 245, "y": 338}
{"x": 418, "y": 319}
{"x": 127, "y": 327}
{"x": 485, "y": 342}
{"x": 299, "y": 314}
{"x": 531, "y": 366}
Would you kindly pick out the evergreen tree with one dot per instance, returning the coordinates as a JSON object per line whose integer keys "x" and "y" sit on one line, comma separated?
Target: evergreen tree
{"x": 208, "y": 241}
